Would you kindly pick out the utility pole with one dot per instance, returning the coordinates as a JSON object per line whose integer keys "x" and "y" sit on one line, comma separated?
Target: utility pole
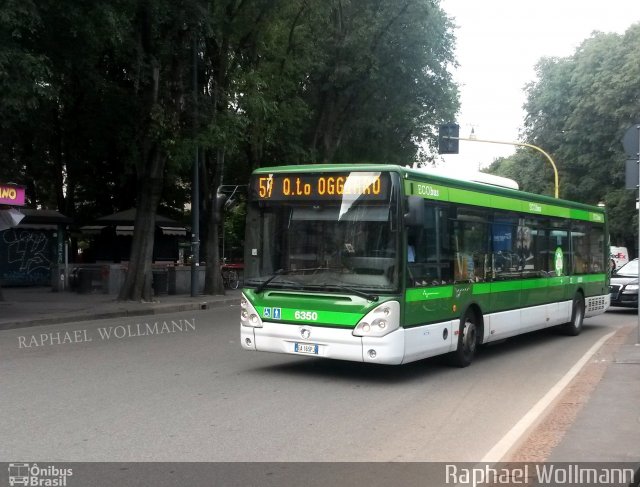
{"x": 195, "y": 184}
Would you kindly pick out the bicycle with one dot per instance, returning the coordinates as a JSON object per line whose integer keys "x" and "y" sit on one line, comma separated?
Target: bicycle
{"x": 230, "y": 275}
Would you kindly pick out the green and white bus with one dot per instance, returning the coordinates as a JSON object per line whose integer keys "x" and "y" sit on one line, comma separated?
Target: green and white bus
{"x": 387, "y": 264}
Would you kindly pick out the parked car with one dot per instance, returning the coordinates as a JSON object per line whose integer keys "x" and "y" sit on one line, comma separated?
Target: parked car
{"x": 624, "y": 285}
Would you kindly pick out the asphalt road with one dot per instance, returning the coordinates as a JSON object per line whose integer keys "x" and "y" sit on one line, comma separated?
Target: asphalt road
{"x": 111, "y": 390}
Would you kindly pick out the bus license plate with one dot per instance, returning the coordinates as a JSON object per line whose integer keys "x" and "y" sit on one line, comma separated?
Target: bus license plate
{"x": 306, "y": 348}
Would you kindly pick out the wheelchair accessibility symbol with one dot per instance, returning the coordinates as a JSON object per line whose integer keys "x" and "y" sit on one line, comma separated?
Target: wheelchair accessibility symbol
{"x": 273, "y": 313}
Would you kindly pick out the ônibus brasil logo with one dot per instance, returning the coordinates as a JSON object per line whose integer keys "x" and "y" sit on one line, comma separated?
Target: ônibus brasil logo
{"x": 34, "y": 475}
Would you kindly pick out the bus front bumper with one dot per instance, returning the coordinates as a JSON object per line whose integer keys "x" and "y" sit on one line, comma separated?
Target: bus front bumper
{"x": 317, "y": 341}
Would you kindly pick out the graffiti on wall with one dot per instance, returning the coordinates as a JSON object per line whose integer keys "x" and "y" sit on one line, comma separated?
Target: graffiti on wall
{"x": 25, "y": 256}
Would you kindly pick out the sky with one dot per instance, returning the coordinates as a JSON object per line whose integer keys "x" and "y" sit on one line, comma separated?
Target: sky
{"x": 499, "y": 42}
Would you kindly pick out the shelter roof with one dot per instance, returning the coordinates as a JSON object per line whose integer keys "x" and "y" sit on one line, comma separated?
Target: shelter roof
{"x": 128, "y": 217}
{"x": 33, "y": 216}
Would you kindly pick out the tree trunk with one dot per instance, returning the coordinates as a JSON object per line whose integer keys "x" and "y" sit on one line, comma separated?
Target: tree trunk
{"x": 137, "y": 284}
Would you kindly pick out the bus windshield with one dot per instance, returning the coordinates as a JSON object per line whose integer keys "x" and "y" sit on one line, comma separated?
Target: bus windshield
{"x": 325, "y": 232}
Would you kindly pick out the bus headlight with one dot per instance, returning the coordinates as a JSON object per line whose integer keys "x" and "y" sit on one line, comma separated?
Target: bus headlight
{"x": 248, "y": 314}
{"x": 380, "y": 321}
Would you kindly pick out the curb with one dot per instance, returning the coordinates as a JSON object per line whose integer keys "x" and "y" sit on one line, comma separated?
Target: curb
{"x": 82, "y": 316}
{"x": 523, "y": 429}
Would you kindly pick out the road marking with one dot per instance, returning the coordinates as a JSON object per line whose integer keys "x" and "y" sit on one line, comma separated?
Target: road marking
{"x": 500, "y": 449}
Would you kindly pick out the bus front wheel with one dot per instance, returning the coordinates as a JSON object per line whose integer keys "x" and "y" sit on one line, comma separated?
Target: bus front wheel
{"x": 467, "y": 340}
{"x": 574, "y": 327}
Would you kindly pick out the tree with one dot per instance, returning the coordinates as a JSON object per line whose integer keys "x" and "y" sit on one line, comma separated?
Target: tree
{"x": 97, "y": 113}
{"x": 341, "y": 81}
{"x": 578, "y": 110}
{"x": 389, "y": 61}
{"x": 160, "y": 67}
{"x": 232, "y": 33}
{"x": 60, "y": 75}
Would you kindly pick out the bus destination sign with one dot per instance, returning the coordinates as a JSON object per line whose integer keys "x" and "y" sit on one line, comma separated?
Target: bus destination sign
{"x": 302, "y": 187}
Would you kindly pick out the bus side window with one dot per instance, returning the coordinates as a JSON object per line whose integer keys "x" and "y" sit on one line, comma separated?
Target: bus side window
{"x": 596, "y": 249}
{"x": 504, "y": 234}
{"x": 471, "y": 245}
{"x": 531, "y": 247}
{"x": 580, "y": 248}
{"x": 558, "y": 239}
{"x": 428, "y": 255}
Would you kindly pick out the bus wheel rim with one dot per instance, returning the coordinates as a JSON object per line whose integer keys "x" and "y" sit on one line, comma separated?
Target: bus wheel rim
{"x": 469, "y": 337}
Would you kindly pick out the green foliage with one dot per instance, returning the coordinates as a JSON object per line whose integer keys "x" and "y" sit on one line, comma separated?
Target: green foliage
{"x": 529, "y": 168}
{"x": 382, "y": 84}
{"x": 578, "y": 110}
{"x": 98, "y": 103}
{"x": 281, "y": 82}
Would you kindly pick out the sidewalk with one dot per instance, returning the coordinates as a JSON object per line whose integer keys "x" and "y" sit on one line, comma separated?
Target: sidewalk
{"x": 597, "y": 416}
{"x": 607, "y": 428}
{"x": 34, "y": 306}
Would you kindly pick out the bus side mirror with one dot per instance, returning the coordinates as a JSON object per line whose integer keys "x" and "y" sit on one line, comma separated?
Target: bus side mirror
{"x": 415, "y": 215}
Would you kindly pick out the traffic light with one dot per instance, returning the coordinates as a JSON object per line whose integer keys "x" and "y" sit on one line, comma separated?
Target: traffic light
{"x": 447, "y": 144}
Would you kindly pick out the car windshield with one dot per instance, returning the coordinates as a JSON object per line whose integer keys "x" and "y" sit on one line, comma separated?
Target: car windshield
{"x": 331, "y": 244}
{"x": 629, "y": 269}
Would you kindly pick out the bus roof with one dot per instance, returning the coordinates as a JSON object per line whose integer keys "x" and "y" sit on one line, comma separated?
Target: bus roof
{"x": 418, "y": 174}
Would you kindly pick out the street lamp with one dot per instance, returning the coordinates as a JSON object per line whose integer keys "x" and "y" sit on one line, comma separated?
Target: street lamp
{"x": 531, "y": 146}
{"x": 445, "y": 135}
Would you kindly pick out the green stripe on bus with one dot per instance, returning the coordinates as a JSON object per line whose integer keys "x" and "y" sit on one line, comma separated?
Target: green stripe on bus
{"x": 428, "y": 293}
{"x": 534, "y": 283}
{"x": 469, "y": 197}
{"x": 454, "y": 195}
{"x": 587, "y": 278}
{"x": 482, "y": 288}
{"x": 333, "y": 318}
{"x": 502, "y": 203}
{"x": 505, "y": 286}
{"x": 559, "y": 281}
{"x": 443, "y": 292}
{"x": 427, "y": 190}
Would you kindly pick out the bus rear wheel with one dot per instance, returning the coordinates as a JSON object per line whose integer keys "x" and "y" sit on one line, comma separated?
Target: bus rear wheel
{"x": 574, "y": 327}
{"x": 467, "y": 341}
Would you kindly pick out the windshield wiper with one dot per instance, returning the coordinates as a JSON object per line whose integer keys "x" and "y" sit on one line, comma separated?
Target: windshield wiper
{"x": 266, "y": 282}
{"x": 281, "y": 272}
{"x": 357, "y": 292}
